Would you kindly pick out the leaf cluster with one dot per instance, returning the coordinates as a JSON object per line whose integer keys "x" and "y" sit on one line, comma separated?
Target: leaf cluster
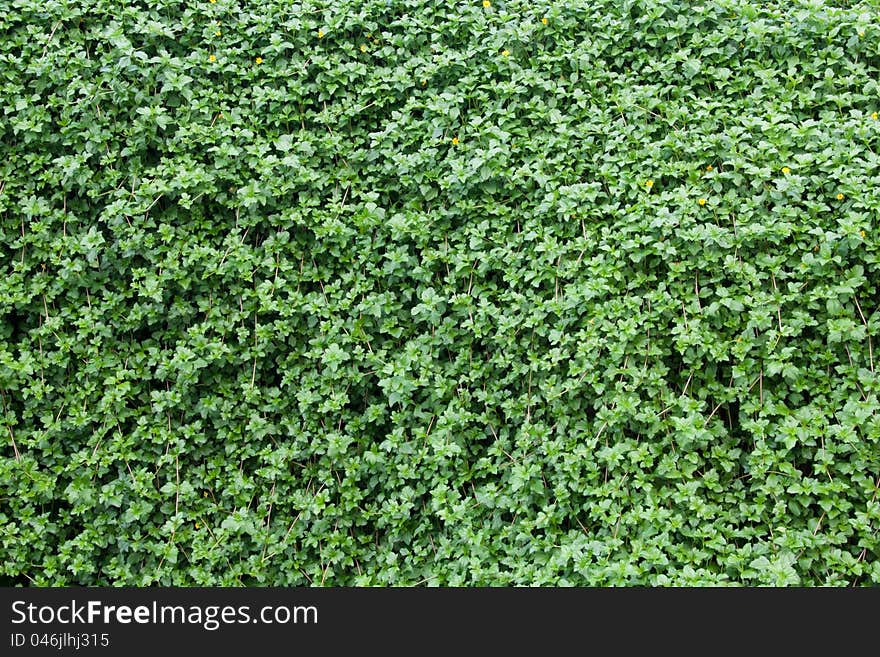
{"x": 394, "y": 292}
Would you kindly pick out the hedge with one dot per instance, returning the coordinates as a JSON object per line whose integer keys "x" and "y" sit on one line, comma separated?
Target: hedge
{"x": 396, "y": 292}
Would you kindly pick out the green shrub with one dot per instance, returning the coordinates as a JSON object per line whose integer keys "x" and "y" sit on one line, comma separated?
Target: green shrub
{"x": 402, "y": 292}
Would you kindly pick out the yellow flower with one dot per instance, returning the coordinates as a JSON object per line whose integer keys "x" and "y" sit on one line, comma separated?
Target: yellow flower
{"x": 217, "y": 33}
{"x": 861, "y": 34}
{"x": 320, "y": 34}
{"x": 649, "y": 184}
{"x": 708, "y": 167}
{"x": 786, "y": 170}
{"x": 487, "y": 4}
{"x": 213, "y": 1}
{"x": 505, "y": 53}
{"x": 840, "y": 197}
{"x": 212, "y": 58}
{"x": 424, "y": 82}
{"x": 363, "y": 48}
{"x": 544, "y": 20}
{"x": 702, "y": 201}
{"x": 259, "y": 60}
{"x": 197, "y": 524}
{"x": 874, "y": 116}
{"x": 455, "y": 141}
{"x": 862, "y": 233}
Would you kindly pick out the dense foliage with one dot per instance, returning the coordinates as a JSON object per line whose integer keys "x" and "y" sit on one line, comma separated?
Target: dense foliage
{"x": 403, "y": 292}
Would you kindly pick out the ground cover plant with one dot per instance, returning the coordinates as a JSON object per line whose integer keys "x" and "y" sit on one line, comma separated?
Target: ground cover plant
{"x": 396, "y": 292}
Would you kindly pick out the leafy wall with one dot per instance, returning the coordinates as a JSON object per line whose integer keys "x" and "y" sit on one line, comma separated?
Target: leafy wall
{"x": 404, "y": 292}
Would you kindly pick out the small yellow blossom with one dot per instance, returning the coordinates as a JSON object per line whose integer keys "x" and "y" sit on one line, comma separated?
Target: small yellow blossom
{"x": 213, "y": 1}
{"x": 862, "y": 233}
{"x": 259, "y": 60}
{"x": 487, "y": 4}
{"x": 505, "y": 53}
{"x": 197, "y": 525}
{"x": 205, "y": 494}
{"x": 363, "y": 47}
{"x": 217, "y": 33}
{"x": 424, "y": 82}
{"x": 702, "y": 201}
{"x": 649, "y": 184}
{"x": 544, "y": 20}
{"x": 840, "y": 197}
{"x": 709, "y": 167}
{"x": 212, "y": 58}
{"x": 874, "y": 115}
{"x": 861, "y": 34}
{"x": 786, "y": 170}
{"x": 320, "y": 34}
{"x": 455, "y": 141}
